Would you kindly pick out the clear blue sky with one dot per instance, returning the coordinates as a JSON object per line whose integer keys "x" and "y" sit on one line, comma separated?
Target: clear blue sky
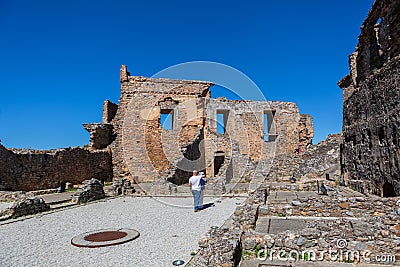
{"x": 59, "y": 60}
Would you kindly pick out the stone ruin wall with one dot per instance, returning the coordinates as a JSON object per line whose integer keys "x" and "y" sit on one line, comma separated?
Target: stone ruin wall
{"x": 244, "y": 143}
{"x": 143, "y": 150}
{"x": 29, "y": 170}
{"x": 371, "y": 107}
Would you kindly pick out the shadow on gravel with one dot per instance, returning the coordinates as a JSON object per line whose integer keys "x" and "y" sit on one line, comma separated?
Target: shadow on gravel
{"x": 208, "y": 205}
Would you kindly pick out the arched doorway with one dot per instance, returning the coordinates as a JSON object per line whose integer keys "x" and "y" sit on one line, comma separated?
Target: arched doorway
{"x": 388, "y": 190}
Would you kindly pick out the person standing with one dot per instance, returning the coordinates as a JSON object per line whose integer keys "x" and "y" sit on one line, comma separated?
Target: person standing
{"x": 195, "y": 188}
{"x": 202, "y": 189}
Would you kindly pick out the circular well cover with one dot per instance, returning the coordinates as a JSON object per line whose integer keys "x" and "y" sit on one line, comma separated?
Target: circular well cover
{"x": 104, "y": 238}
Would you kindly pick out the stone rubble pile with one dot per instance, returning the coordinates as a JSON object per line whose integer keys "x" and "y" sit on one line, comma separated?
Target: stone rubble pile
{"x": 315, "y": 162}
{"x": 121, "y": 186}
{"x": 89, "y": 190}
{"x": 14, "y": 195}
{"x": 219, "y": 247}
{"x": 308, "y": 187}
{"x": 26, "y": 206}
{"x": 215, "y": 187}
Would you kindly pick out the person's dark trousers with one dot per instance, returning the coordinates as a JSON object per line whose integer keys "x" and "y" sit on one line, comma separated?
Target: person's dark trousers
{"x": 196, "y": 198}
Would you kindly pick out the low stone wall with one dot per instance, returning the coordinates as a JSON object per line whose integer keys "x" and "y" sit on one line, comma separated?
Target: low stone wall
{"x": 29, "y": 170}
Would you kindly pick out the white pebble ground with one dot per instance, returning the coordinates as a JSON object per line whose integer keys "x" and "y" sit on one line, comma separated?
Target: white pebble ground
{"x": 167, "y": 232}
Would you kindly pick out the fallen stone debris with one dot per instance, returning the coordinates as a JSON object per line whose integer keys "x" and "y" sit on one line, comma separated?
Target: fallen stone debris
{"x": 25, "y": 206}
{"x": 121, "y": 186}
{"x": 89, "y": 190}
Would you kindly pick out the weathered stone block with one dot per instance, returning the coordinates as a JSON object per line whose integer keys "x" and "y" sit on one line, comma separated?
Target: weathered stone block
{"x": 90, "y": 190}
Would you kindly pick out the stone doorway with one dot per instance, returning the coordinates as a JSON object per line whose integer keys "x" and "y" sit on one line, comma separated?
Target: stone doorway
{"x": 388, "y": 190}
{"x": 219, "y": 160}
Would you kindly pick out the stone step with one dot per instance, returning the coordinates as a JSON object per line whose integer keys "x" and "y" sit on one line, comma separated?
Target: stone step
{"x": 62, "y": 205}
{"x": 57, "y": 198}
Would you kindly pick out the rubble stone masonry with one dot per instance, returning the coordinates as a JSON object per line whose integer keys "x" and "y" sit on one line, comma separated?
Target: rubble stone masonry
{"x": 371, "y": 104}
{"x": 142, "y": 147}
{"x": 29, "y": 170}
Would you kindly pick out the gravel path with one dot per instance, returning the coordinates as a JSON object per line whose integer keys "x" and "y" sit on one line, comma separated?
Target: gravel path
{"x": 167, "y": 232}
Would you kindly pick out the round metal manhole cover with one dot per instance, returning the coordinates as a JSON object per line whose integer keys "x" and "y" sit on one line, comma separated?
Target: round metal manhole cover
{"x": 104, "y": 238}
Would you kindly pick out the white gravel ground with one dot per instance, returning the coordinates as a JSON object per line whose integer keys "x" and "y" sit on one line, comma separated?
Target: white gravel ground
{"x": 167, "y": 232}
{"x": 5, "y": 205}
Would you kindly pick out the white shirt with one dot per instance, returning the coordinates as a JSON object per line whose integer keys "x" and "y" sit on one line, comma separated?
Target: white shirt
{"x": 195, "y": 182}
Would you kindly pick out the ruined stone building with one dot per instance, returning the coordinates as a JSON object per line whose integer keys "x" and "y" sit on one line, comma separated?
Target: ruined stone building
{"x": 164, "y": 128}
{"x": 161, "y": 130}
{"x": 371, "y": 104}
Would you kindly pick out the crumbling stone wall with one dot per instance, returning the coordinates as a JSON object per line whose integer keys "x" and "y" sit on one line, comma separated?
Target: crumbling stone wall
{"x": 7, "y": 158}
{"x": 101, "y": 134}
{"x": 245, "y": 126}
{"x": 29, "y": 170}
{"x": 143, "y": 150}
{"x": 306, "y": 131}
{"x": 318, "y": 161}
{"x": 371, "y": 104}
{"x": 109, "y": 111}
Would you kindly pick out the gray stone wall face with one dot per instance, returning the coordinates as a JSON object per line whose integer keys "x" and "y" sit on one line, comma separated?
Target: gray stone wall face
{"x": 371, "y": 103}
{"x": 371, "y": 131}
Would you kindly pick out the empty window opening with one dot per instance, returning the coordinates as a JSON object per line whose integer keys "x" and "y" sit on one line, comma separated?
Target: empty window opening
{"x": 219, "y": 160}
{"x": 167, "y": 119}
{"x": 388, "y": 190}
{"x": 269, "y": 126}
{"x": 378, "y": 21}
{"x": 222, "y": 120}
